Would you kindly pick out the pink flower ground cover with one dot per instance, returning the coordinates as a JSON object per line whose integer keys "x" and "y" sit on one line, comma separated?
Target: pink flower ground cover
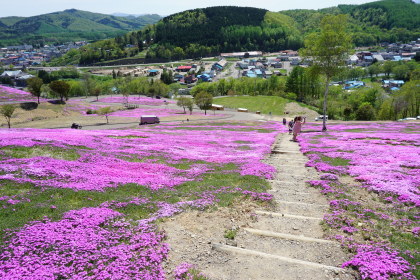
{"x": 160, "y": 112}
{"x": 90, "y": 243}
{"x": 385, "y": 158}
{"x": 80, "y": 106}
{"x": 110, "y": 233}
{"x": 143, "y": 100}
{"x": 8, "y": 94}
{"x": 109, "y": 158}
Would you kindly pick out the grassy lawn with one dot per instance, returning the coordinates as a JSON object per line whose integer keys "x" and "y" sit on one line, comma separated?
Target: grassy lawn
{"x": 264, "y": 104}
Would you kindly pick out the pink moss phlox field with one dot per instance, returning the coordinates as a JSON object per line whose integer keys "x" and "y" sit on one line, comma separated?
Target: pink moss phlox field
{"x": 184, "y": 272}
{"x": 384, "y": 158}
{"x": 110, "y": 158}
{"x": 160, "y": 112}
{"x": 143, "y": 100}
{"x": 378, "y": 262}
{"x": 80, "y": 106}
{"x": 8, "y": 94}
{"x": 90, "y": 243}
{"x": 99, "y": 242}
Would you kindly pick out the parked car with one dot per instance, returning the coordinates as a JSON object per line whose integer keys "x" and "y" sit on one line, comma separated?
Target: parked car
{"x": 321, "y": 117}
{"x": 149, "y": 119}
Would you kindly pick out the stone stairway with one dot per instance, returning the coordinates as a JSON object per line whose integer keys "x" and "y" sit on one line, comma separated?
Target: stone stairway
{"x": 286, "y": 242}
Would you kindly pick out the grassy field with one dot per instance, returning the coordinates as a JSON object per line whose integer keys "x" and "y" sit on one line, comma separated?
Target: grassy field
{"x": 264, "y": 104}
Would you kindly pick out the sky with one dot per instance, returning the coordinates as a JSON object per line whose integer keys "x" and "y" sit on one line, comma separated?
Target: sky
{"x": 162, "y": 7}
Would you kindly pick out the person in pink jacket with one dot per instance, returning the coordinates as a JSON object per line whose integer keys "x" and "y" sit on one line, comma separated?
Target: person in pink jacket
{"x": 297, "y": 127}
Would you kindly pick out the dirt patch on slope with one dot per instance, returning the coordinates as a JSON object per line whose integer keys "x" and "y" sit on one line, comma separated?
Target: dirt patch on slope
{"x": 192, "y": 234}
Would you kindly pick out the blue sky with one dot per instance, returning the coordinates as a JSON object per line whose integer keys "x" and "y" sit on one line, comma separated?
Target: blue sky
{"x": 161, "y": 7}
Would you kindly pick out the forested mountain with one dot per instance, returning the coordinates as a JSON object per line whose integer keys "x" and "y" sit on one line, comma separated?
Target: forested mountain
{"x": 209, "y": 31}
{"x": 68, "y": 25}
{"x": 371, "y": 23}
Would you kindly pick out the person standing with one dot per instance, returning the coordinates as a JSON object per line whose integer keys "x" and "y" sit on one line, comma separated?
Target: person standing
{"x": 284, "y": 121}
{"x": 291, "y": 122}
{"x": 297, "y": 127}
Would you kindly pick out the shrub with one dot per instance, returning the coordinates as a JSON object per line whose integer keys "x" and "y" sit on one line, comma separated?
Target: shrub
{"x": 365, "y": 112}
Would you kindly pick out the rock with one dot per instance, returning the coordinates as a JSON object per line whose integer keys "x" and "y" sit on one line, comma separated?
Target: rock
{"x": 231, "y": 243}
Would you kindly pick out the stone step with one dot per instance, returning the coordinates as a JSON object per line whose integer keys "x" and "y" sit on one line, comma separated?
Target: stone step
{"x": 298, "y": 197}
{"x": 285, "y": 152}
{"x": 303, "y": 204}
{"x": 301, "y": 208}
{"x": 291, "y": 224}
{"x": 285, "y": 215}
{"x": 247, "y": 252}
{"x": 291, "y": 192}
{"x": 292, "y": 246}
{"x": 287, "y": 236}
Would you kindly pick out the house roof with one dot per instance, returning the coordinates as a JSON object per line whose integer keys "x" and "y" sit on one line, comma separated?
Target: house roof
{"x": 378, "y": 57}
{"x": 184, "y": 67}
{"x": 11, "y": 73}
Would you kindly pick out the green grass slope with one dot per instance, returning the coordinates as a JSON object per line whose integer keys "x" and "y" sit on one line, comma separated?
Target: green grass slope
{"x": 264, "y": 104}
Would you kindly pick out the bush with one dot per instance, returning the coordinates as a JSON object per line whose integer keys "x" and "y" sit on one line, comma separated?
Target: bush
{"x": 365, "y": 112}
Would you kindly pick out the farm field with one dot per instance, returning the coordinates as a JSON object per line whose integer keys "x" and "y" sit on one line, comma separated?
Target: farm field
{"x": 86, "y": 204}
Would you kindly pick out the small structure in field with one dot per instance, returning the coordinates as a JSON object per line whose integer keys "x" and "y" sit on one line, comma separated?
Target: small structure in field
{"x": 149, "y": 119}
{"x": 217, "y": 107}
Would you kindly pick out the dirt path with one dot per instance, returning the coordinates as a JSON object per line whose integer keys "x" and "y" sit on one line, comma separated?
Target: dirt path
{"x": 283, "y": 243}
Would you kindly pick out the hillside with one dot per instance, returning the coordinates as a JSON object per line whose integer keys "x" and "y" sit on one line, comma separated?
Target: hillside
{"x": 68, "y": 25}
{"x": 209, "y": 31}
{"x": 371, "y": 23}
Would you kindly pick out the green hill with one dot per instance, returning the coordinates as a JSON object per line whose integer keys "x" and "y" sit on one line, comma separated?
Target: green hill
{"x": 68, "y": 25}
{"x": 371, "y": 23}
{"x": 210, "y": 31}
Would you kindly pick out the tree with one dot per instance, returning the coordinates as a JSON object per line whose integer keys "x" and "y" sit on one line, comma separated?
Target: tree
{"x": 34, "y": 85}
{"x": 96, "y": 92}
{"x": 365, "y": 112}
{"x": 44, "y": 76}
{"x": 89, "y": 84}
{"x": 184, "y": 102}
{"x": 387, "y": 67}
{"x": 328, "y": 50}
{"x": 7, "y": 112}
{"x": 105, "y": 111}
{"x": 401, "y": 72}
{"x": 374, "y": 69}
{"x": 203, "y": 101}
{"x": 191, "y": 107}
{"x": 61, "y": 88}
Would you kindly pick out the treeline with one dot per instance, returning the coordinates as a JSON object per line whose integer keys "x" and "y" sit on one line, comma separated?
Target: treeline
{"x": 305, "y": 85}
{"x": 210, "y": 31}
{"x": 371, "y": 102}
{"x": 199, "y": 33}
{"x": 273, "y": 86}
{"x": 371, "y": 23}
{"x": 90, "y": 85}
